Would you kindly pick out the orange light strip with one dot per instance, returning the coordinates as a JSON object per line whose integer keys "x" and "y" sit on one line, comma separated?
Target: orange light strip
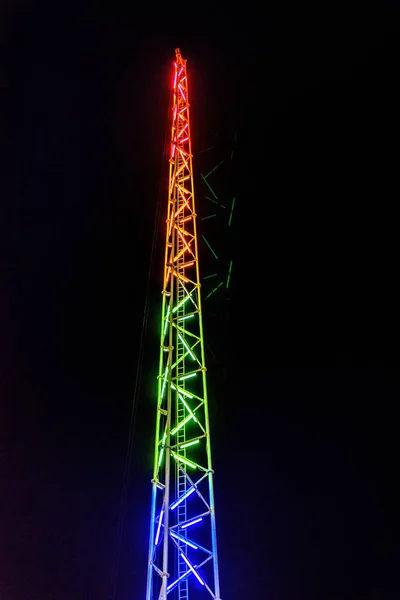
{"x": 184, "y": 232}
{"x": 183, "y": 191}
{"x": 182, "y": 168}
{"x": 179, "y": 254}
{"x": 186, "y": 205}
{"x": 171, "y": 187}
{"x": 182, "y": 130}
{"x": 189, "y": 264}
{"x": 180, "y": 276}
{"x": 184, "y": 152}
{"x": 183, "y": 156}
{"x": 184, "y": 241}
{"x": 170, "y": 224}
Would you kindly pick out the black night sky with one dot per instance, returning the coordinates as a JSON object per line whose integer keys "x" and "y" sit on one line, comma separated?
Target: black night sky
{"x": 305, "y": 384}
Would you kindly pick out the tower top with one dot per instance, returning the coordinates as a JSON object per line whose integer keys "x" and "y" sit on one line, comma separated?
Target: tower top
{"x": 179, "y": 58}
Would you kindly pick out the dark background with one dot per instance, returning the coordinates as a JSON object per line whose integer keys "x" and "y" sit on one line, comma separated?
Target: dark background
{"x": 304, "y": 426}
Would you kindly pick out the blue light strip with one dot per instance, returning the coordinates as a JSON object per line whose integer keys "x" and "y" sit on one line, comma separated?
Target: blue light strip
{"x": 192, "y": 568}
{"x": 184, "y": 540}
{"x": 191, "y": 523}
{"x": 159, "y": 527}
{"x": 182, "y": 498}
{"x": 173, "y": 584}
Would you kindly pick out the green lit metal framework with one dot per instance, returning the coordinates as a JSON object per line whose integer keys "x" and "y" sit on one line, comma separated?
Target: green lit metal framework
{"x": 221, "y": 212}
{"x": 182, "y": 560}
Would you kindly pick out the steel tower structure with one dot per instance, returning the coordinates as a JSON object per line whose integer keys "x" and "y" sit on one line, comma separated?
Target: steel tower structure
{"x": 182, "y": 560}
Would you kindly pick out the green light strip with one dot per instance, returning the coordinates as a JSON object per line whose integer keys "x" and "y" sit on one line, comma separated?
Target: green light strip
{"x": 181, "y": 303}
{"x": 209, "y": 276}
{"x": 184, "y": 392}
{"x": 214, "y": 169}
{"x": 187, "y": 462}
{"x": 189, "y": 444}
{"x": 186, "y": 317}
{"x": 209, "y": 216}
{"x": 187, "y": 347}
{"x": 206, "y": 150}
{"x": 162, "y": 449}
{"x": 188, "y": 376}
{"x": 160, "y": 457}
{"x": 229, "y": 275}
{"x": 181, "y": 424}
{"x": 187, "y": 407}
{"x": 189, "y": 333}
{"x": 230, "y": 216}
{"x": 214, "y": 290}
{"x": 166, "y": 319}
{"x": 164, "y": 382}
{"x": 209, "y": 246}
{"x": 209, "y": 187}
{"x": 211, "y": 200}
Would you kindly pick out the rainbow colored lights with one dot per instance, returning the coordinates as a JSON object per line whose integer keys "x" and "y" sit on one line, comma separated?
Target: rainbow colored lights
{"x": 182, "y": 484}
